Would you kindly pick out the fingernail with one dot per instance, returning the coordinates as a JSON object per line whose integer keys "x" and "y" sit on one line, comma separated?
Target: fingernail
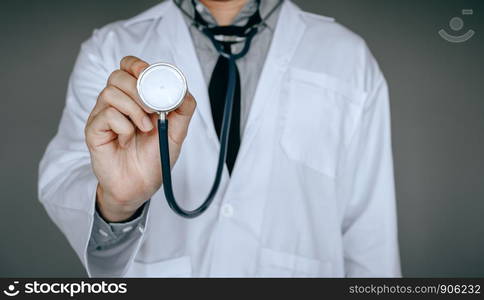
{"x": 147, "y": 123}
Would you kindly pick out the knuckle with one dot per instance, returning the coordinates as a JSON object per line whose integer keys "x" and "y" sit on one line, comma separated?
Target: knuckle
{"x": 138, "y": 66}
{"x": 88, "y": 136}
{"x": 125, "y": 59}
{"x": 193, "y": 101}
{"x": 110, "y": 113}
{"x": 89, "y": 118}
{"x": 88, "y": 126}
{"x": 86, "y": 132}
{"x": 113, "y": 78}
{"x": 139, "y": 117}
{"x": 107, "y": 93}
{"x": 189, "y": 97}
{"x": 128, "y": 129}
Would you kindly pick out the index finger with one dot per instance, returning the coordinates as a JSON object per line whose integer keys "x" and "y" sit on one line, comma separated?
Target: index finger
{"x": 133, "y": 65}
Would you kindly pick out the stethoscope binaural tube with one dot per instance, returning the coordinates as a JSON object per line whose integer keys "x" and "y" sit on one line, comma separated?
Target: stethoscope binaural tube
{"x": 150, "y": 88}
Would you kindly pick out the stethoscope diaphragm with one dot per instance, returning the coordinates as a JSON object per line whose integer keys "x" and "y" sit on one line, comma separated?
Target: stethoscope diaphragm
{"x": 161, "y": 87}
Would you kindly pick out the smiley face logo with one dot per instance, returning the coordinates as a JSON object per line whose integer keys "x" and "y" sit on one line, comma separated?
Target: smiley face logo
{"x": 10, "y": 291}
{"x": 456, "y": 24}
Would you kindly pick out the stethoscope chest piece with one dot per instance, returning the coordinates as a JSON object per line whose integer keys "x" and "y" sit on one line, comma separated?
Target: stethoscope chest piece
{"x": 161, "y": 87}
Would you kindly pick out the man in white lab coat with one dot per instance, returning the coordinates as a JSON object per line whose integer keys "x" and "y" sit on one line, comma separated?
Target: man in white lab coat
{"x": 309, "y": 190}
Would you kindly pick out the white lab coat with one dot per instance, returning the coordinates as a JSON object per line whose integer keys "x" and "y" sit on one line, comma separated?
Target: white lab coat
{"x": 312, "y": 191}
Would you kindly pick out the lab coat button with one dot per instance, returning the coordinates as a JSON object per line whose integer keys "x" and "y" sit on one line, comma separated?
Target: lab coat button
{"x": 227, "y": 210}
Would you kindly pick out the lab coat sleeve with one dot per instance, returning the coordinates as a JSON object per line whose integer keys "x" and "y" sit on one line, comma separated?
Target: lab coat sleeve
{"x": 110, "y": 245}
{"x": 67, "y": 184}
{"x": 104, "y": 234}
{"x": 366, "y": 186}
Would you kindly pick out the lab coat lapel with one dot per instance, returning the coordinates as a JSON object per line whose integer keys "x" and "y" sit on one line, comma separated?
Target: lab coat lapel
{"x": 289, "y": 30}
{"x": 174, "y": 29}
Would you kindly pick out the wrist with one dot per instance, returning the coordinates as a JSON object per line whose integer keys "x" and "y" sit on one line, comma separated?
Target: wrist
{"x": 111, "y": 210}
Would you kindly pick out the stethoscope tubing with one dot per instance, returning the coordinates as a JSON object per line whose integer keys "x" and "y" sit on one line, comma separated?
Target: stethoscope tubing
{"x": 224, "y": 137}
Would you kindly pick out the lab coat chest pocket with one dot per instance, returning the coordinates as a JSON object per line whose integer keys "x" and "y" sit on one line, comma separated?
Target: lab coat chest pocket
{"x": 320, "y": 114}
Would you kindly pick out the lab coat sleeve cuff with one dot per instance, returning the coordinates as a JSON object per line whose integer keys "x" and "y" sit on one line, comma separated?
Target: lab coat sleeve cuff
{"x": 113, "y": 246}
{"x": 105, "y": 233}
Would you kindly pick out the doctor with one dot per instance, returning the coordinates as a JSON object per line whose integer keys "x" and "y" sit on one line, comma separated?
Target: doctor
{"x": 307, "y": 189}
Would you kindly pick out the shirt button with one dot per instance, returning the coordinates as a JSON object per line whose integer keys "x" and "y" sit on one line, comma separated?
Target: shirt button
{"x": 127, "y": 229}
{"x": 227, "y": 210}
{"x": 103, "y": 233}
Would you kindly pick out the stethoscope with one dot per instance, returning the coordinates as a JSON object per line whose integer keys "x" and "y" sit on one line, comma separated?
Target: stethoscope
{"x": 162, "y": 88}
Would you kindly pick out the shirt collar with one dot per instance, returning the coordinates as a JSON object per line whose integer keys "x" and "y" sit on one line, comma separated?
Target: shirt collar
{"x": 243, "y": 16}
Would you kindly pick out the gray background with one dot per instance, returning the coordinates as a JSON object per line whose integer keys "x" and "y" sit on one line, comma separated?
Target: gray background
{"x": 437, "y": 105}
